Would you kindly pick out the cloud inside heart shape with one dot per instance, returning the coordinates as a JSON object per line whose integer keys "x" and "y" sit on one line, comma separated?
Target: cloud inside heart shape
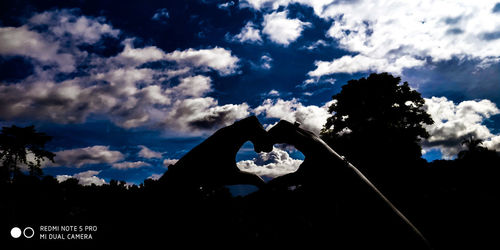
{"x": 213, "y": 161}
{"x": 273, "y": 164}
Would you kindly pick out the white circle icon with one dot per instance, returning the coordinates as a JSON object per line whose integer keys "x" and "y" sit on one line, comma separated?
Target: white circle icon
{"x": 15, "y": 232}
{"x": 29, "y": 234}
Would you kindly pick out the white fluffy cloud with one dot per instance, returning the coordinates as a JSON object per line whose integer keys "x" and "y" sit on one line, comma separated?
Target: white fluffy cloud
{"x": 248, "y": 34}
{"x": 86, "y": 178}
{"x": 118, "y": 87}
{"x": 415, "y": 30}
{"x": 57, "y": 44}
{"x": 493, "y": 143}
{"x": 455, "y": 122}
{"x": 359, "y": 63}
{"x": 192, "y": 86}
{"x": 79, "y": 157}
{"x": 218, "y": 59}
{"x": 282, "y": 30}
{"x": 311, "y": 117}
{"x": 20, "y": 41}
{"x": 147, "y": 153}
{"x": 380, "y": 32}
{"x": 273, "y": 164}
{"x": 129, "y": 165}
{"x": 131, "y": 56}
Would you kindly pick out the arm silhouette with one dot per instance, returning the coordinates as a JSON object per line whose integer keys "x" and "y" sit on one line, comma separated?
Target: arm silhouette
{"x": 213, "y": 161}
{"x": 323, "y": 168}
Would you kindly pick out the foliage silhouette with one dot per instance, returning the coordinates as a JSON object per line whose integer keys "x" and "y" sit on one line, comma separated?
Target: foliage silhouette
{"x": 377, "y": 123}
{"x": 473, "y": 148}
{"x": 376, "y": 111}
{"x": 461, "y": 199}
{"x": 15, "y": 145}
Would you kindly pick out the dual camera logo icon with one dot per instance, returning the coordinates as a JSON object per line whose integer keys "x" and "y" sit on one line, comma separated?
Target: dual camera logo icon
{"x": 27, "y": 232}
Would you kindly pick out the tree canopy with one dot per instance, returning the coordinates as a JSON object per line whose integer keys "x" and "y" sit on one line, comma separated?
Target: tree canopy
{"x": 20, "y": 145}
{"x": 377, "y": 119}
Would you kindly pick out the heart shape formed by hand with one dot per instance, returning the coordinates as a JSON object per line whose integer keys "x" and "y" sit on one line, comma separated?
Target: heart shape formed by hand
{"x": 213, "y": 161}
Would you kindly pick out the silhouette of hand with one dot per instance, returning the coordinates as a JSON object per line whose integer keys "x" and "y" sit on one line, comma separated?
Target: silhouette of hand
{"x": 308, "y": 143}
{"x": 320, "y": 161}
{"x": 213, "y": 162}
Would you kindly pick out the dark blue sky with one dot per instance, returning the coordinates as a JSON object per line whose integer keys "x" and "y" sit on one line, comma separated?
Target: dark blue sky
{"x": 109, "y": 79}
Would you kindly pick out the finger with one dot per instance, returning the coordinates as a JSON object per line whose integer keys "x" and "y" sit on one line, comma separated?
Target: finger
{"x": 282, "y": 132}
{"x": 290, "y": 133}
{"x": 261, "y": 140}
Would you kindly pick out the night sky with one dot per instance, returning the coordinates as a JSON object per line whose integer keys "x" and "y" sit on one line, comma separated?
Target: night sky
{"x": 127, "y": 87}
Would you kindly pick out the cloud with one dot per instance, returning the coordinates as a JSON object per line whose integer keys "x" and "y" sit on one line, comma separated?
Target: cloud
{"x": 454, "y": 123}
{"x": 126, "y": 88}
{"x": 361, "y": 63}
{"x": 264, "y": 5}
{"x": 168, "y": 162}
{"x": 74, "y": 100}
{"x": 377, "y": 33}
{"x": 192, "y": 86}
{"x": 315, "y": 45}
{"x": 225, "y": 5}
{"x": 81, "y": 29}
{"x": 315, "y": 81}
{"x": 199, "y": 114}
{"x": 311, "y": 117}
{"x": 282, "y": 30}
{"x": 265, "y": 61}
{"x": 273, "y": 164}
{"x": 133, "y": 57}
{"x": 415, "y": 30}
{"x": 129, "y": 165}
{"x": 79, "y": 157}
{"x": 155, "y": 177}
{"x": 218, "y": 59}
{"x": 248, "y": 34}
{"x": 161, "y": 15}
{"x": 493, "y": 143}
{"x": 86, "y": 178}
{"x": 273, "y": 93}
{"x": 148, "y": 153}
{"x": 20, "y": 41}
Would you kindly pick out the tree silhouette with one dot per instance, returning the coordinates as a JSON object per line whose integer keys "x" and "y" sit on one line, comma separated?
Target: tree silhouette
{"x": 477, "y": 153}
{"x": 17, "y": 143}
{"x": 473, "y": 145}
{"x": 377, "y": 121}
